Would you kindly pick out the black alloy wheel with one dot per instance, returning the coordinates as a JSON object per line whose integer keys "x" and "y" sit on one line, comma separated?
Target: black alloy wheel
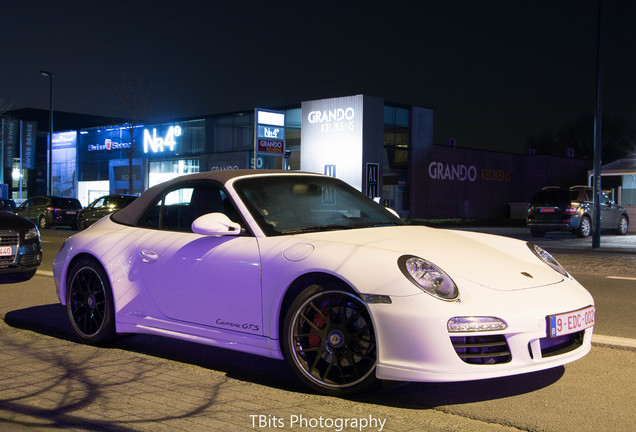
{"x": 89, "y": 302}
{"x": 81, "y": 223}
{"x": 330, "y": 342}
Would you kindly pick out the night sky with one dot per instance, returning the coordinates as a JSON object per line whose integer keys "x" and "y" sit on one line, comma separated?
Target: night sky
{"x": 495, "y": 72}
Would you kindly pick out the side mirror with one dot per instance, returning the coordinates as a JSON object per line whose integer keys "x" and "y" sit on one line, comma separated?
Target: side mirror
{"x": 215, "y": 224}
{"x": 393, "y": 212}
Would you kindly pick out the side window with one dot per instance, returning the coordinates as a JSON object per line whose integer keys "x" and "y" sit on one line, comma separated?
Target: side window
{"x": 605, "y": 199}
{"x": 178, "y": 208}
{"x": 99, "y": 203}
{"x": 177, "y": 211}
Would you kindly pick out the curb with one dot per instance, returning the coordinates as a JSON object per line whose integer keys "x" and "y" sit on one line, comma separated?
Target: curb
{"x": 614, "y": 342}
{"x": 589, "y": 250}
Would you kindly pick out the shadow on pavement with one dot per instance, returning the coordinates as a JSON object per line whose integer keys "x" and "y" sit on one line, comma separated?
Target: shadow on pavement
{"x": 51, "y": 320}
{"x": 432, "y": 395}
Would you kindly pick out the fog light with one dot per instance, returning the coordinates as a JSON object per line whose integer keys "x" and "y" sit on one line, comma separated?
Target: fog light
{"x": 475, "y": 324}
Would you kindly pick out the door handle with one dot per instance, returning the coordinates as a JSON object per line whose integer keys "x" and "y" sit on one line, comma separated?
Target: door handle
{"x": 148, "y": 256}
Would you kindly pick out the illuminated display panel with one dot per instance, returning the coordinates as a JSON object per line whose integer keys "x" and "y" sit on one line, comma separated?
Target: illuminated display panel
{"x": 331, "y": 137}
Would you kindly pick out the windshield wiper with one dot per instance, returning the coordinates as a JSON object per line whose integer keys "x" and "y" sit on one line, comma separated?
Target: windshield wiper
{"x": 317, "y": 228}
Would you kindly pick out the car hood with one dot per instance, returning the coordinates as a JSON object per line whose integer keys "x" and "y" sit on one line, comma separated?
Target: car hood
{"x": 497, "y": 262}
{"x": 10, "y": 221}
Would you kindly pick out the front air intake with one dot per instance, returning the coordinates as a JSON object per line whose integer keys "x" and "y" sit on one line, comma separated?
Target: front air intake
{"x": 482, "y": 350}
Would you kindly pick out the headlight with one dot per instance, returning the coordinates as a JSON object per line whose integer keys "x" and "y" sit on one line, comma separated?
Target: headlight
{"x": 428, "y": 277}
{"x": 31, "y": 234}
{"x": 547, "y": 258}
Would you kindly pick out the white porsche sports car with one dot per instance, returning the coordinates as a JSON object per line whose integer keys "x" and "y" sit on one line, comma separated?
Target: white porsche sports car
{"x": 304, "y": 267}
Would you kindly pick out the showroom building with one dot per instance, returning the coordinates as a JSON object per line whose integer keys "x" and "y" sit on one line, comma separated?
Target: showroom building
{"x": 384, "y": 150}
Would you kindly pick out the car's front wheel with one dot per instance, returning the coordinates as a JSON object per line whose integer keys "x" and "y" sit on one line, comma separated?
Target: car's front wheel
{"x": 330, "y": 342}
{"x": 81, "y": 223}
{"x": 623, "y": 225}
{"x": 89, "y": 302}
{"x": 585, "y": 228}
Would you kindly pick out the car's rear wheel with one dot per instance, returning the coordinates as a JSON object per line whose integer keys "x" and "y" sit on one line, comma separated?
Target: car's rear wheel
{"x": 330, "y": 342}
{"x": 623, "y": 225}
{"x": 89, "y": 302}
{"x": 43, "y": 223}
{"x": 585, "y": 228}
{"x": 81, "y": 223}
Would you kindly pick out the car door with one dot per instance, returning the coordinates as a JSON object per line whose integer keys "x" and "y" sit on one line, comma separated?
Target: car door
{"x": 93, "y": 213}
{"x": 609, "y": 213}
{"x": 207, "y": 280}
{"x": 28, "y": 210}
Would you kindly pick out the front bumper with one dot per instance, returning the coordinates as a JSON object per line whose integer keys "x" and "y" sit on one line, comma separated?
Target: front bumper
{"x": 22, "y": 262}
{"x": 415, "y": 345}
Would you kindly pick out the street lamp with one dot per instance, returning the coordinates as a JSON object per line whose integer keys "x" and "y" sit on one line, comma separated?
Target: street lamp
{"x": 49, "y": 144}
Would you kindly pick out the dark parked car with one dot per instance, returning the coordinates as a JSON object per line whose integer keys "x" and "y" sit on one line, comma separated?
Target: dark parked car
{"x": 47, "y": 211}
{"x": 102, "y": 207}
{"x": 7, "y": 205}
{"x": 20, "y": 247}
{"x": 559, "y": 209}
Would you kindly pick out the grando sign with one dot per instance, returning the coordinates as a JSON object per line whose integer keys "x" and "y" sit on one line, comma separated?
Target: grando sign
{"x": 154, "y": 143}
{"x": 333, "y": 120}
{"x": 457, "y": 172}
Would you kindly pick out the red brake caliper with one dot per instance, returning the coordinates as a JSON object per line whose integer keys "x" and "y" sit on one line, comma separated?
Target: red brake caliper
{"x": 319, "y": 322}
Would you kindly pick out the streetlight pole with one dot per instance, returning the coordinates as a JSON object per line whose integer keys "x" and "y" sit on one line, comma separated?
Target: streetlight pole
{"x": 596, "y": 187}
{"x": 49, "y": 146}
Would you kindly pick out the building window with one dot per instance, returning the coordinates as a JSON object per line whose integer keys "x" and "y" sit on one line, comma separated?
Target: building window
{"x": 161, "y": 171}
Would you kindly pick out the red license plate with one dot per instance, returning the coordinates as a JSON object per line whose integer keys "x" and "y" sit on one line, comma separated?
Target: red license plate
{"x": 546, "y": 210}
{"x": 6, "y": 250}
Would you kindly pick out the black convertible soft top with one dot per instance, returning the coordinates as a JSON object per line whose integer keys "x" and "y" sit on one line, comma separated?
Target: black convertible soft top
{"x": 132, "y": 212}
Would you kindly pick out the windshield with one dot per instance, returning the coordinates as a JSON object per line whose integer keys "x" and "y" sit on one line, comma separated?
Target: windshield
{"x": 291, "y": 204}
{"x": 66, "y": 203}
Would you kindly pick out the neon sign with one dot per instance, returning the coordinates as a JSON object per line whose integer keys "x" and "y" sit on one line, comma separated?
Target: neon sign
{"x": 271, "y": 132}
{"x": 158, "y": 144}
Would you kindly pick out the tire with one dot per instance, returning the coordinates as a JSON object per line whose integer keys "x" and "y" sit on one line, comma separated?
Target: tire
{"x": 329, "y": 341}
{"x": 89, "y": 302}
{"x": 585, "y": 227}
{"x": 536, "y": 233}
{"x": 81, "y": 224}
{"x": 43, "y": 223}
{"x": 623, "y": 225}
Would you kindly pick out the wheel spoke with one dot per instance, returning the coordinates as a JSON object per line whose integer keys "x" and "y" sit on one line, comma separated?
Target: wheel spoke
{"x": 311, "y": 323}
{"x": 325, "y": 374}
{"x": 314, "y": 307}
{"x": 315, "y": 363}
